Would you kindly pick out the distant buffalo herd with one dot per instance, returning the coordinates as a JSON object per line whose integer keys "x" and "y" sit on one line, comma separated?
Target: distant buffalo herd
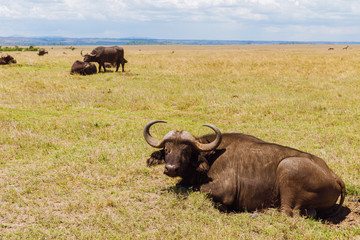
{"x": 105, "y": 56}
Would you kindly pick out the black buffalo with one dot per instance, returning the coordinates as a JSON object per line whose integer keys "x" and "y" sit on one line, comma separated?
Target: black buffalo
{"x": 102, "y": 55}
{"x": 245, "y": 173}
{"x": 7, "y": 60}
{"x": 42, "y": 52}
{"x": 83, "y": 68}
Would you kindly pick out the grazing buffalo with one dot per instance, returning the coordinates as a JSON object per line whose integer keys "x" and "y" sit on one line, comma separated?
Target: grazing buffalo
{"x": 245, "y": 173}
{"x": 83, "y": 68}
{"x": 102, "y": 55}
{"x": 7, "y": 60}
{"x": 42, "y": 52}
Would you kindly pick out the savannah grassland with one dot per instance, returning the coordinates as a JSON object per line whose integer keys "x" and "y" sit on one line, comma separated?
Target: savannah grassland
{"x": 72, "y": 154}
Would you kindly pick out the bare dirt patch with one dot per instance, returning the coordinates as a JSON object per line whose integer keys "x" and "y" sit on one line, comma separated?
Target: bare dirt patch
{"x": 349, "y": 214}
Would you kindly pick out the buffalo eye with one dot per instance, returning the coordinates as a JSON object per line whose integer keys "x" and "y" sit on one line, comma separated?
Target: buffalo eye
{"x": 167, "y": 150}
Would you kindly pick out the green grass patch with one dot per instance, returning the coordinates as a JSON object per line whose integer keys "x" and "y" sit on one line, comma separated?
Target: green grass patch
{"x": 18, "y": 49}
{"x": 72, "y": 154}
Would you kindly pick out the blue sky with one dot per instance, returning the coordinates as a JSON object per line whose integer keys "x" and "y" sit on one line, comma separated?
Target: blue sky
{"x": 288, "y": 20}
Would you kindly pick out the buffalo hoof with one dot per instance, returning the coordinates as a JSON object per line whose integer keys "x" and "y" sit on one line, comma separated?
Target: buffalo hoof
{"x": 309, "y": 212}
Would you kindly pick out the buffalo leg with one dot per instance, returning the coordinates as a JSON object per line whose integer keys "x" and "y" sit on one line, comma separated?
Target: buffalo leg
{"x": 304, "y": 184}
{"x": 220, "y": 192}
{"x": 102, "y": 64}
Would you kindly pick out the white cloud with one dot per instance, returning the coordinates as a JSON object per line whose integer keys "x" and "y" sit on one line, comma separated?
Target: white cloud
{"x": 6, "y": 12}
{"x": 147, "y": 10}
{"x": 263, "y": 17}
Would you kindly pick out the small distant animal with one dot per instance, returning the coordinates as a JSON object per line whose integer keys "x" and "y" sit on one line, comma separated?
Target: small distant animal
{"x": 42, "y": 52}
{"x": 331, "y": 48}
{"x": 7, "y": 60}
{"x": 83, "y": 68}
{"x": 244, "y": 173}
{"x": 345, "y": 48}
{"x": 102, "y": 55}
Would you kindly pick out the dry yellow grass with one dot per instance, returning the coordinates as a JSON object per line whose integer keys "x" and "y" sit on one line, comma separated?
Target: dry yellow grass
{"x": 72, "y": 153}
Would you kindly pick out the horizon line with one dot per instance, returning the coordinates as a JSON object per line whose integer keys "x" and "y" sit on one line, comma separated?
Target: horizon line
{"x": 61, "y": 40}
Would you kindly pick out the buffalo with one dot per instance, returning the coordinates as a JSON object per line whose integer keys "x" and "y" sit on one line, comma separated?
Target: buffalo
{"x": 42, "y": 52}
{"x": 102, "y": 55}
{"x": 7, "y": 60}
{"x": 244, "y": 173}
{"x": 83, "y": 68}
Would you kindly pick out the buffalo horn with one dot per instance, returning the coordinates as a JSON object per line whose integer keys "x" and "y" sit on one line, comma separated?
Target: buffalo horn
{"x": 212, "y": 145}
{"x": 184, "y": 136}
{"x": 149, "y": 139}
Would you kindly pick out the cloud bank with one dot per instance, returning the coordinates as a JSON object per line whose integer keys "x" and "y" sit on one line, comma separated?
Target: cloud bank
{"x": 202, "y": 19}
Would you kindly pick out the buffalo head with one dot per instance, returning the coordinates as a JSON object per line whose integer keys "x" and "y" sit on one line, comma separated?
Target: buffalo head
{"x": 12, "y": 60}
{"x": 180, "y": 150}
{"x": 89, "y": 57}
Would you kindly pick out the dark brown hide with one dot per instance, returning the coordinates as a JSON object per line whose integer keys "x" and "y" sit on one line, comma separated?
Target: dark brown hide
{"x": 246, "y": 173}
{"x": 102, "y": 55}
{"x": 83, "y": 68}
{"x": 7, "y": 60}
{"x": 42, "y": 52}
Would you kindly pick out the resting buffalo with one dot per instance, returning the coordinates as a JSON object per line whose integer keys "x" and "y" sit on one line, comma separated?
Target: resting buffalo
{"x": 42, "y": 52}
{"x": 83, "y": 68}
{"x": 244, "y": 173}
{"x": 102, "y": 55}
{"x": 7, "y": 60}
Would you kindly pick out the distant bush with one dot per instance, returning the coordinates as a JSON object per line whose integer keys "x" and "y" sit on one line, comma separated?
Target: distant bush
{"x": 17, "y": 48}
{"x": 71, "y": 48}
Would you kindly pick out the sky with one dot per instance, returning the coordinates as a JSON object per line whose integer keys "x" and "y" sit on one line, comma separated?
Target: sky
{"x": 268, "y": 20}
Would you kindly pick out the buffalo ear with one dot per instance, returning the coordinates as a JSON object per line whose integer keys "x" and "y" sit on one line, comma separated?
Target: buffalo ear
{"x": 156, "y": 158}
{"x": 202, "y": 165}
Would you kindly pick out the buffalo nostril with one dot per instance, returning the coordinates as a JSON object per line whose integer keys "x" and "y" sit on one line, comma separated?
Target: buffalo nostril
{"x": 170, "y": 170}
{"x": 170, "y": 167}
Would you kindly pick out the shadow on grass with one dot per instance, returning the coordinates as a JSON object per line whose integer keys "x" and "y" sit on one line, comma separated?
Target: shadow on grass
{"x": 183, "y": 192}
{"x": 127, "y": 74}
{"x": 338, "y": 218}
{"x": 350, "y": 213}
